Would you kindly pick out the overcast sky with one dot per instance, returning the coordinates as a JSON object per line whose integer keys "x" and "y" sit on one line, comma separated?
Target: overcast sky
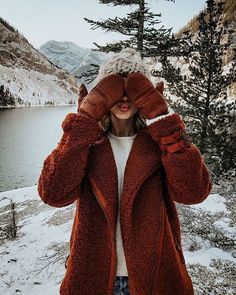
{"x": 62, "y": 20}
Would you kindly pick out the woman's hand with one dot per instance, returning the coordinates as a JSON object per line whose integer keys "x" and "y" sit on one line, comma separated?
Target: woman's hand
{"x": 148, "y": 99}
{"x": 103, "y": 96}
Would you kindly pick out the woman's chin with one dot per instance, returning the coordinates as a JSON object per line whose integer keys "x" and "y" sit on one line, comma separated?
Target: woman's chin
{"x": 123, "y": 115}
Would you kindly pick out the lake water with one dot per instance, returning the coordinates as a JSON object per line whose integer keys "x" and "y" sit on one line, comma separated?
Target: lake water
{"x": 27, "y": 136}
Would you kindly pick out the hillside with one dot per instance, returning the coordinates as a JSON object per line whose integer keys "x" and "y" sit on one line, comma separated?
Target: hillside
{"x": 228, "y": 22}
{"x": 27, "y": 77}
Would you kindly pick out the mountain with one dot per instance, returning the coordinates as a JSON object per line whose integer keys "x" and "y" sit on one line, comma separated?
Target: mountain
{"x": 66, "y": 55}
{"x": 71, "y": 57}
{"x": 27, "y": 77}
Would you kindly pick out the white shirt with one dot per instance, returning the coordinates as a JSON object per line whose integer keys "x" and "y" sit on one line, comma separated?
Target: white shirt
{"x": 121, "y": 146}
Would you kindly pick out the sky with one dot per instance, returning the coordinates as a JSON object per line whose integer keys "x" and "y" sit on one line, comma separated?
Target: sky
{"x": 62, "y": 20}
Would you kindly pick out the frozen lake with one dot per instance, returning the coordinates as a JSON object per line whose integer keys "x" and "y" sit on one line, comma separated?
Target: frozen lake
{"x": 27, "y": 136}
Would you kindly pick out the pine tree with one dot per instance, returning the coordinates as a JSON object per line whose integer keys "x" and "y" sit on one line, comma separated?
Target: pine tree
{"x": 140, "y": 26}
{"x": 141, "y": 29}
{"x": 202, "y": 90}
{"x": 6, "y": 98}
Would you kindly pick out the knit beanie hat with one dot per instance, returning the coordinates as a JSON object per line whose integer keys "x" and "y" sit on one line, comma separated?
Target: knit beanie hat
{"x": 128, "y": 60}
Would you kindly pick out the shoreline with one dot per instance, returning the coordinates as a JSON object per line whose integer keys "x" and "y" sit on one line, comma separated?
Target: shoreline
{"x": 35, "y": 106}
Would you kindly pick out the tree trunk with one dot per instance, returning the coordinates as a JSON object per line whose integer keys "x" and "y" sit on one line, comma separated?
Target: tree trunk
{"x": 141, "y": 26}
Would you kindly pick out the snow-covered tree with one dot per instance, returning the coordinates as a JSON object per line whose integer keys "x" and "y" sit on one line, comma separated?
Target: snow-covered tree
{"x": 202, "y": 89}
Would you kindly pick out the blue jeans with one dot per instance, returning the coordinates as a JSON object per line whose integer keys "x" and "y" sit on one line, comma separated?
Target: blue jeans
{"x": 121, "y": 286}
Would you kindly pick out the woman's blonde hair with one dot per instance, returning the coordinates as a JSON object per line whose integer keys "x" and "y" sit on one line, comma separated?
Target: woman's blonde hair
{"x": 139, "y": 122}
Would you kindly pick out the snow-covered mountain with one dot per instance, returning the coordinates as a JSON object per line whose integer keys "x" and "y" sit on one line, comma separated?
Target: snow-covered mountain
{"x": 27, "y": 77}
{"x": 66, "y": 55}
{"x": 34, "y": 244}
{"x": 71, "y": 57}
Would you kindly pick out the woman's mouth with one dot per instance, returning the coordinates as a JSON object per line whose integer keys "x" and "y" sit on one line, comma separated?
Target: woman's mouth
{"x": 124, "y": 107}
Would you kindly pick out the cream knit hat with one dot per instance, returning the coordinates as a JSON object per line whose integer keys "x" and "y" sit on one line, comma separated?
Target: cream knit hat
{"x": 128, "y": 60}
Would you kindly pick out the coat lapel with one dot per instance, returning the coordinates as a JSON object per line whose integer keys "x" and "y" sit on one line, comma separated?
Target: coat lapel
{"x": 102, "y": 173}
{"x": 143, "y": 160}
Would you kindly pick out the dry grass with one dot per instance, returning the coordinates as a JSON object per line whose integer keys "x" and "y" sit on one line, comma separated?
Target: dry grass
{"x": 58, "y": 218}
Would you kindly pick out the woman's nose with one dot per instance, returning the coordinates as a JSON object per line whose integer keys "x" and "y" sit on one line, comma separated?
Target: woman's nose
{"x": 125, "y": 98}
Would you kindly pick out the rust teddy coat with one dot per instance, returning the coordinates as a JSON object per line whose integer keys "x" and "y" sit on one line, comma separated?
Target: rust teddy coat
{"x": 82, "y": 169}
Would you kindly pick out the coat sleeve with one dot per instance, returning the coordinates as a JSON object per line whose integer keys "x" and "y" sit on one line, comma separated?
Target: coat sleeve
{"x": 64, "y": 168}
{"x": 186, "y": 175}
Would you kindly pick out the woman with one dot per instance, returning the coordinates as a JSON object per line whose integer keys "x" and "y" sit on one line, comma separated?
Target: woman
{"x": 125, "y": 159}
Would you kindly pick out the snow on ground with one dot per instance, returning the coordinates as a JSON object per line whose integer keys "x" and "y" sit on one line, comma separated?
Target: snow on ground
{"x": 25, "y": 261}
{"x": 214, "y": 203}
{"x": 36, "y": 88}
